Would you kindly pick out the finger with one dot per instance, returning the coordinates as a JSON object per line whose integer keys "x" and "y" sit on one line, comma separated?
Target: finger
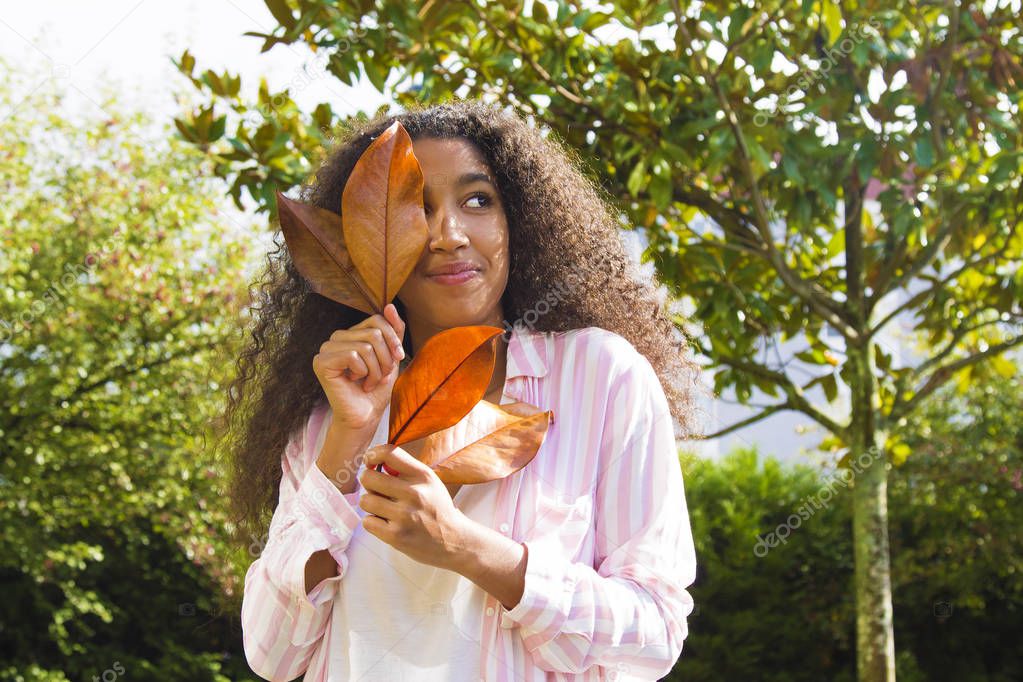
{"x": 369, "y": 357}
{"x": 378, "y": 340}
{"x": 376, "y": 525}
{"x": 345, "y": 359}
{"x": 375, "y": 463}
{"x": 378, "y": 505}
{"x": 396, "y": 458}
{"x": 381, "y": 483}
{"x": 393, "y": 335}
{"x": 333, "y": 361}
{"x": 391, "y": 313}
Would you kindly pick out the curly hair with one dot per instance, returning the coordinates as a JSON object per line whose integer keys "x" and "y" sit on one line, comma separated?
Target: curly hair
{"x": 559, "y": 221}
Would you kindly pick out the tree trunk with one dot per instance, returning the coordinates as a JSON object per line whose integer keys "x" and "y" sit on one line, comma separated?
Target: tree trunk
{"x": 875, "y": 639}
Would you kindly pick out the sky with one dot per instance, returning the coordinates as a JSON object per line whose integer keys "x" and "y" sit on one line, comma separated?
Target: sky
{"x": 132, "y": 43}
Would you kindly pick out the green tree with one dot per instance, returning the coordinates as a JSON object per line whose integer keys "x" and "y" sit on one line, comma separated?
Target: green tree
{"x": 746, "y": 141}
{"x": 118, "y": 307}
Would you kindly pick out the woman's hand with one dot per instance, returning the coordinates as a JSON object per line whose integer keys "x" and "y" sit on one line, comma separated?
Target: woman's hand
{"x": 357, "y": 368}
{"x": 413, "y": 511}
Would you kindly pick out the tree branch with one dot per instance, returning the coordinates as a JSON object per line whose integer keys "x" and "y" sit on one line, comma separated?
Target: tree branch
{"x": 919, "y": 297}
{"x": 889, "y": 282}
{"x": 853, "y": 229}
{"x": 767, "y": 412}
{"x": 942, "y": 374}
{"x": 795, "y": 397}
{"x": 573, "y": 97}
{"x": 961, "y": 331}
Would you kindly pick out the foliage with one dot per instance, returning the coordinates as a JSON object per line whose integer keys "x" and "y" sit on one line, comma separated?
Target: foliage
{"x": 956, "y": 510}
{"x": 117, "y": 310}
{"x": 786, "y": 615}
{"x": 957, "y": 535}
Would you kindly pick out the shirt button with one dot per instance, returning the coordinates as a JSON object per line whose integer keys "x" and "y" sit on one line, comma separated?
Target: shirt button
{"x": 504, "y": 527}
{"x": 490, "y": 610}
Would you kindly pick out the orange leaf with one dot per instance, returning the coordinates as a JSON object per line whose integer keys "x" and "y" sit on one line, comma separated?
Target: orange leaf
{"x": 497, "y": 454}
{"x": 313, "y": 236}
{"x": 382, "y": 213}
{"x": 489, "y": 443}
{"x": 445, "y": 379}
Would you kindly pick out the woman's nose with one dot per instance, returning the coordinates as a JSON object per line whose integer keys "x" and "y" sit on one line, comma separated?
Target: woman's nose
{"x": 445, "y": 229}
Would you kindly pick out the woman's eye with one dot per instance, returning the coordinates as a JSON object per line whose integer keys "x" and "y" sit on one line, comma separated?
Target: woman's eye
{"x": 483, "y": 197}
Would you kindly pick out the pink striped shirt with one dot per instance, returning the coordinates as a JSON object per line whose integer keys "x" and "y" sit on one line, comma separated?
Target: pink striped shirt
{"x": 601, "y": 510}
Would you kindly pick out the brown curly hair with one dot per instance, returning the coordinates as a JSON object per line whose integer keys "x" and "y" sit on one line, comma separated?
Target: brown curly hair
{"x": 558, "y": 221}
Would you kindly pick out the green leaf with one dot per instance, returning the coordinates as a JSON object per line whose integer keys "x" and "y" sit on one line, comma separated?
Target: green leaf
{"x": 758, "y": 153}
{"x": 763, "y": 55}
{"x": 791, "y": 169}
{"x": 866, "y": 160}
{"x": 693, "y": 128}
{"x": 637, "y": 178}
{"x": 187, "y": 63}
{"x": 836, "y": 244}
{"x": 217, "y": 129}
{"x": 282, "y": 13}
{"x": 594, "y": 21}
{"x": 924, "y": 152}
{"x": 737, "y": 23}
{"x": 540, "y": 14}
{"x": 186, "y": 130}
{"x": 832, "y": 20}
{"x": 660, "y": 191}
{"x": 376, "y": 73}
{"x": 830, "y": 387}
{"x": 214, "y": 82}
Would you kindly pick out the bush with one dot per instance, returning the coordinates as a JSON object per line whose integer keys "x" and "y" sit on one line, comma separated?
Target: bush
{"x": 957, "y": 543}
{"x": 786, "y": 615}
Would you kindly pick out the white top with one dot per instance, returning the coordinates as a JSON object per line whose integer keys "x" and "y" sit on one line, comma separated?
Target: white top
{"x": 400, "y": 620}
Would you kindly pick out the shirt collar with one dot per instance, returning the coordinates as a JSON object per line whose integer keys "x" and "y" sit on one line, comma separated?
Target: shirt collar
{"x": 527, "y": 353}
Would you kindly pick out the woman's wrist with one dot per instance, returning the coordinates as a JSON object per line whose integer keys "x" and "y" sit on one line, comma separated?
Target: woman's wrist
{"x": 495, "y": 562}
{"x": 339, "y": 458}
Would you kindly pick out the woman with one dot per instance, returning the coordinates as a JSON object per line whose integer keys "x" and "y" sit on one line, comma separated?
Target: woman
{"x": 573, "y": 567}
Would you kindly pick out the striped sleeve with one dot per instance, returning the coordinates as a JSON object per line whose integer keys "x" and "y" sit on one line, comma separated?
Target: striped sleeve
{"x": 629, "y": 615}
{"x": 282, "y": 625}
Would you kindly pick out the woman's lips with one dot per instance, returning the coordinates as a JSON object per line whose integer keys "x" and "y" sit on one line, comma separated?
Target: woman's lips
{"x": 457, "y": 278}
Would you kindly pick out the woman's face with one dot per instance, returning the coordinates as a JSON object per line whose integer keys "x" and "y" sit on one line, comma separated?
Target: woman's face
{"x": 467, "y": 224}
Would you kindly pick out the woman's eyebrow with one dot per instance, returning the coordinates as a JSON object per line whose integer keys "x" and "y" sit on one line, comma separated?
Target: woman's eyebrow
{"x": 469, "y": 178}
{"x": 463, "y": 179}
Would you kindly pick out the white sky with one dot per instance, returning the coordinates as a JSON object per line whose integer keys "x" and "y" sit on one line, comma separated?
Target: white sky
{"x": 84, "y": 48}
{"x": 132, "y": 42}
